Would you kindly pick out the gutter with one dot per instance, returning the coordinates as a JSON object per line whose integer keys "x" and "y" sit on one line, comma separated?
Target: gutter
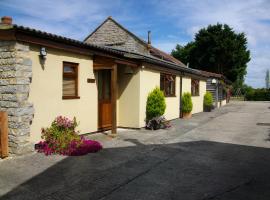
{"x": 22, "y": 33}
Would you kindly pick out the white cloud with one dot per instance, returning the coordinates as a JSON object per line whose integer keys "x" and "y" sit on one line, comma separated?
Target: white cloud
{"x": 168, "y": 44}
{"x": 76, "y": 19}
{"x": 70, "y": 18}
{"x": 249, "y": 16}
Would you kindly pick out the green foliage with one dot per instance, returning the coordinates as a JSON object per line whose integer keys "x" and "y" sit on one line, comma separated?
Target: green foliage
{"x": 186, "y": 103}
{"x": 217, "y": 49}
{"x": 182, "y": 53}
{"x": 257, "y": 95}
{"x": 208, "y": 99}
{"x": 155, "y": 105}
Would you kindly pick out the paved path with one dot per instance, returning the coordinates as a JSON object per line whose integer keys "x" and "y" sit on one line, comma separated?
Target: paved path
{"x": 218, "y": 155}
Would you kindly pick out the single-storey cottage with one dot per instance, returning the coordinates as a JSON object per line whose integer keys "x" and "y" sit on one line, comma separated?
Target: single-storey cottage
{"x": 102, "y": 81}
{"x": 219, "y": 86}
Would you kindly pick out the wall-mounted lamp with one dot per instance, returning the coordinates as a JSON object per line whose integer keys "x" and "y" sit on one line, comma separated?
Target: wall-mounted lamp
{"x": 214, "y": 81}
{"x": 43, "y": 53}
{"x": 42, "y": 57}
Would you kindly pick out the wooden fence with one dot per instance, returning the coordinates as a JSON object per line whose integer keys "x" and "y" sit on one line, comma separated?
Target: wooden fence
{"x": 3, "y": 135}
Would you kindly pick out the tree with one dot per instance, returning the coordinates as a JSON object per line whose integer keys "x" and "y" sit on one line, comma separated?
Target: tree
{"x": 217, "y": 49}
{"x": 267, "y": 79}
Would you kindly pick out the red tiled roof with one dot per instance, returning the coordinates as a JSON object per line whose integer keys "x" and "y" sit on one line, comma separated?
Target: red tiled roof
{"x": 164, "y": 56}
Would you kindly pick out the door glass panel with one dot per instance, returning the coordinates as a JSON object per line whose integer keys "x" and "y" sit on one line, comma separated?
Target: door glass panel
{"x": 107, "y": 85}
{"x": 100, "y": 85}
{"x": 104, "y": 85}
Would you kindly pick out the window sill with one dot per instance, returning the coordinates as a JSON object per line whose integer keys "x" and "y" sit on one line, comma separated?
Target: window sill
{"x": 195, "y": 95}
{"x": 170, "y": 96}
{"x": 70, "y": 97}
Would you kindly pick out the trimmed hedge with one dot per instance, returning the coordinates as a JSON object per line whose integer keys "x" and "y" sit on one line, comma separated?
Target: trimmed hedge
{"x": 155, "y": 105}
{"x": 258, "y": 95}
{"x": 187, "y": 105}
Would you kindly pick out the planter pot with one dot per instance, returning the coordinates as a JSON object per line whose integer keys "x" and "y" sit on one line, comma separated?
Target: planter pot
{"x": 207, "y": 108}
{"x": 187, "y": 115}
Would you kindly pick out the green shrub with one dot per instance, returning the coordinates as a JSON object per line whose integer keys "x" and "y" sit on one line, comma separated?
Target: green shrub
{"x": 208, "y": 99}
{"x": 186, "y": 103}
{"x": 155, "y": 105}
{"x": 258, "y": 95}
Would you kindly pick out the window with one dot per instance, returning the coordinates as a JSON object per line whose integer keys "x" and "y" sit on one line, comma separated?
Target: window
{"x": 70, "y": 80}
{"x": 167, "y": 84}
{"x": 195, "y": 85}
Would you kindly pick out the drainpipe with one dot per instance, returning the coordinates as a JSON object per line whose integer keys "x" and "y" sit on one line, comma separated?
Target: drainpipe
{"x": 217, "y": 98}
{"x": 180, "y": 98}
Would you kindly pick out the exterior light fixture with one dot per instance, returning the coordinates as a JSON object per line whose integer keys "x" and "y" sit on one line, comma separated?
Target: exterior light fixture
{"x": 214, "y": 81}
{"x": 43, "y": 53}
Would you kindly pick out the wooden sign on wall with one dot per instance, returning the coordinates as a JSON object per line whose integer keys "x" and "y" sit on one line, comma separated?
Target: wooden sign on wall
{"x": 91, "y": 80}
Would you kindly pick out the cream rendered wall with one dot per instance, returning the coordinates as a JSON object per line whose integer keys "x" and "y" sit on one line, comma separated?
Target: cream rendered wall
{"x": 149, "y": 79}
{"x": 196, "y": 100}
{"x": 128, "y": 110}
{"x": 46, "y": 92}
{"x": 186, "y": 82}
{"x": 223, "y": 102}
{"x": 173, "y": 103}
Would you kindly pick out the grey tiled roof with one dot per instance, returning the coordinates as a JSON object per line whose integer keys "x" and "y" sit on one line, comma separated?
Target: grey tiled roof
{"x": 108, "y": 50}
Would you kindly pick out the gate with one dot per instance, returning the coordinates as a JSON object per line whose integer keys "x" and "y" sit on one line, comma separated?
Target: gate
{"x": 3, "y": 135}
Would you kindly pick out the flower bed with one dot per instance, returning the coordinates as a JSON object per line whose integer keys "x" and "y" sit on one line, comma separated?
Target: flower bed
{"x": 61, "y": 138}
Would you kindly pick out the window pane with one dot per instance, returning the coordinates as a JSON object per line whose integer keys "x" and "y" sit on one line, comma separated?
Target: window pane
{"x": 162, "y": 82}
{"x": 167, "y": 84}
{"x": 70, "y": 75}
{"x": 195, "y": 85}
{"x": 69, "y": 69}
{"x": 171, "y": 87}
{"x": 69, "y": 86}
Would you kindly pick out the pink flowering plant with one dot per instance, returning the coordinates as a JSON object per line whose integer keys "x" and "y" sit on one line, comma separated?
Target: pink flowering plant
{"x": 62, "y": 138}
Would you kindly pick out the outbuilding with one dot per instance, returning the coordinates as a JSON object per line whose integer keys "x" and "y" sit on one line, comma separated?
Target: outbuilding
{"x": 102, "y": 81}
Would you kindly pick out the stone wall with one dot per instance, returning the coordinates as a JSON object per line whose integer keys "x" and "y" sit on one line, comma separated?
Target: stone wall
{"x": 15, "y": 78}
{"x": 111, "y": 34}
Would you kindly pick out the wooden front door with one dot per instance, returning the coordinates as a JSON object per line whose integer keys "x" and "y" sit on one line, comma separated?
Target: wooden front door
{"x": 104, "y": 99}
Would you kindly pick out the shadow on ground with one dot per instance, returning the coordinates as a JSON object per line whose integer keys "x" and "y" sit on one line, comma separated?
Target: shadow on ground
{"x": 192, "y": 170}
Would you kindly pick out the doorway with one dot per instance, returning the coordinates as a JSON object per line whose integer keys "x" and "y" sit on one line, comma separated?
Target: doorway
{"x": 104, "y": 100}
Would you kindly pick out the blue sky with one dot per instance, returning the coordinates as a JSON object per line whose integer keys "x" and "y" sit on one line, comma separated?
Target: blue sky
{"x": 171, "y": 21}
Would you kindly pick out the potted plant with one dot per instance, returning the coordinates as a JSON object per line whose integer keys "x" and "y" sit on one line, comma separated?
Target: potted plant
{"x": 207, "y": 102}
{"x": 155, "y": 108}
{"x": 187, "y": 105}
